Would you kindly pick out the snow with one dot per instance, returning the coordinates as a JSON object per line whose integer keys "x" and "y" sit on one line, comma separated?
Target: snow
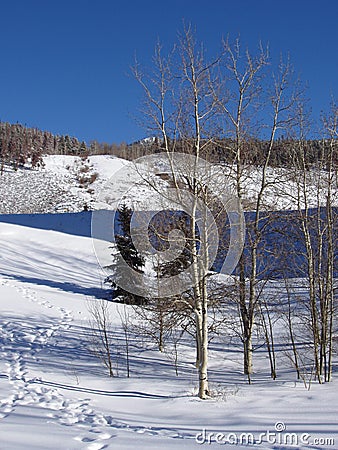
{"x": 58, "y": 186}
{"x": 72, "y": 184}
{"x": 55, "y": 394}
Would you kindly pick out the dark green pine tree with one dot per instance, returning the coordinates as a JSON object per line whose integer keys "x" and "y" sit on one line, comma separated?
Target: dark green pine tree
{"x": 83, "y": 148}
{"x": 180, "y": 221}
{"x": 61, "y": 145}
{"x": 124, "y": 240}
{"x": 68, "y": 145}
{"x": 128, "y": 253}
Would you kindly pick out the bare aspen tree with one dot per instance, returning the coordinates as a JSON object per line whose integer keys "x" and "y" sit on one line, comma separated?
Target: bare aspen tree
{"x": 303, "y": 208}
{"x": 267, "y": 312}
{"x": 327, "y": 306}
{"x": 290, "y": 319}
{"x": 314, "y": 197}
{"x": 126, "y": 327}
{"x": 235, "y": 106}
{"x": 282, "y": 103}
{"x": 188, "y": 117}
{"x": 100, "y": 339}
{"x": 247, "y": 97}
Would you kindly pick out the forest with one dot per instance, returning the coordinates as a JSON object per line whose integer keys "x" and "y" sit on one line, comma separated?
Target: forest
{"x": 20, "y": 145}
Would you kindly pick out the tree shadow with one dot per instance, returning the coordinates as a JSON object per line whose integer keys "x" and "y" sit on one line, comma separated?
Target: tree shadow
{"x": 78, "y": 224}
{"x": 99, "y": 293}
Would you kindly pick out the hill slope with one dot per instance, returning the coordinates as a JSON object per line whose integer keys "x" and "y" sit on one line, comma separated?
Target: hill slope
{"x": 54, "y": 393}
{"x": 73, "y": 184}
{"x": 62, "y": 184}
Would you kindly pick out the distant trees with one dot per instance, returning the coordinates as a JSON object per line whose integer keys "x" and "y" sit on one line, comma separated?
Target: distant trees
{"x": 20, "y": 145}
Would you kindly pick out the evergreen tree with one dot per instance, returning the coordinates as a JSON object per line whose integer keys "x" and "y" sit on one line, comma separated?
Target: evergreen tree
{"x": 127, "y": 253}
{"x": 83, "y": 148}
{"x": 61, "y": 145}
{"x": 68, "y": 145}
{"x": 161, "y": 227}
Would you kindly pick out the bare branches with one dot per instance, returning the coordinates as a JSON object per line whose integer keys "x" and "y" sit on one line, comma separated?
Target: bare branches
{"x": 101, "y": 333}
{"x": 237, "y": 104}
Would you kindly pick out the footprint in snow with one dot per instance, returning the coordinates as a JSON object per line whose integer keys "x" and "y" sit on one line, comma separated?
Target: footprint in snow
{"x": 95, "y": 443}
{"x": 96, "y": 446}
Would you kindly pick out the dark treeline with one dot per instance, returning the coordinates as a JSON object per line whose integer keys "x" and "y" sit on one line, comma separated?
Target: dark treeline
{"x": 20, "y": 145}
{"x": 284, "y": 151}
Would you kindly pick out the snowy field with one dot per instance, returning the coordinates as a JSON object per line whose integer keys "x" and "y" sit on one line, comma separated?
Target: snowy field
{"x": 55, "y": 394}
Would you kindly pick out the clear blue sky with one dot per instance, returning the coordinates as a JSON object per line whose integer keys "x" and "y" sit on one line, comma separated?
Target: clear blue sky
{"x": 65, "y": 63}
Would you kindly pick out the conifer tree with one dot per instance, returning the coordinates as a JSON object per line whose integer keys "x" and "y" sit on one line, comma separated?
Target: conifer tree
{"x": 126, "y": 253}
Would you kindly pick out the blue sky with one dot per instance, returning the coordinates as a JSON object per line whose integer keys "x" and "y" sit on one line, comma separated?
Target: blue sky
{"x": 65, "y": 64}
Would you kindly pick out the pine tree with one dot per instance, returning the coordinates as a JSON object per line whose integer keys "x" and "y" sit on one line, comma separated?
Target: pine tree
{"x": 180, "y": 221}
{"x": 127, "y": 253}
{"x": 83, "y": 148}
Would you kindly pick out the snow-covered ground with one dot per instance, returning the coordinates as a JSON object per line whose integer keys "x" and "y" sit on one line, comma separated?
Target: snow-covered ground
{"x": 64, "y": 184}
{"x": 72, "y": 184}
{"x": 55, "y": 394}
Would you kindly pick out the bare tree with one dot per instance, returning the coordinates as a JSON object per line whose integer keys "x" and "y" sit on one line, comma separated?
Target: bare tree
{"x": 183, "y": 109}
{"x": 317, "y": 219}
{"x": 247, "y": 100}
{"x": 126, "y": 323}
{"x": 327, "y": 280}
{"x": 101, "y": 333}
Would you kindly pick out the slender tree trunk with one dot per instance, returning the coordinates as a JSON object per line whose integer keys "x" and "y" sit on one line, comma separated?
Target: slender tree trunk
{"x": 269, "y": 339}
{"x": 291, "y": 332}
{"x": 203, "y": 363}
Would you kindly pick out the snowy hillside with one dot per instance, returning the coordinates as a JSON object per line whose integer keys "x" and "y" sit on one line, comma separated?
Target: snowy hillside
{"x": 54, "y": 393}
{"x": 73, "y": 184}
{"x": 63, "y": 184}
